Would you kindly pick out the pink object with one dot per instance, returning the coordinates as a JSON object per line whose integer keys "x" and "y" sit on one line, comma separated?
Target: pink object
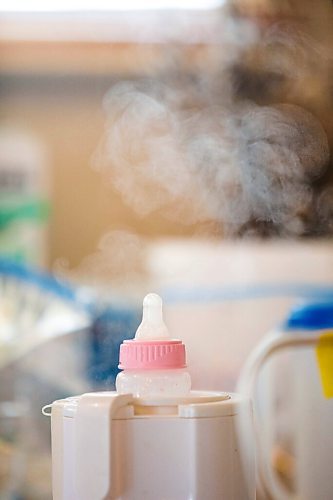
{"x": 152, "y": 355}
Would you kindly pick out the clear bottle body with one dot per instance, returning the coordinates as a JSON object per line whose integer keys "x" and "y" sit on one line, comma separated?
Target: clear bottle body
{"x": 154, "y": 383}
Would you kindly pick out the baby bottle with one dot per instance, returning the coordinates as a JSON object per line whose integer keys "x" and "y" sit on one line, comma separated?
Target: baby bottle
{"x": 154, "y": 365}
{"x": 153, "y": 438}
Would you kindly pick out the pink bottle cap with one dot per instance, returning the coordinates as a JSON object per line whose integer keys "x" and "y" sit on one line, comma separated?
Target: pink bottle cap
{"x": 152, "y": 355}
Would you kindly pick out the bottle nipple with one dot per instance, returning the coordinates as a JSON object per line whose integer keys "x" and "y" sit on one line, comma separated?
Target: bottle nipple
{"x": 152, "y": 326}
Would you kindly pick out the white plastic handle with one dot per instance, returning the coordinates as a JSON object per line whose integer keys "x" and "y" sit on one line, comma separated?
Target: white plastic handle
{"x": 93, "y": 442}
{"x": 247, "y": 385}
{"x": 45, "y": 411}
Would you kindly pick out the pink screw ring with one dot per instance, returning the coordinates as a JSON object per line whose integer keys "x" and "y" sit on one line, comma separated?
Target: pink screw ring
{"x": 152, "y": 355}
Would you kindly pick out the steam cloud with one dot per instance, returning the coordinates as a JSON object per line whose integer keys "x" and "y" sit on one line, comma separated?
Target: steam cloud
{"x": 222, "y": 146}
{"x": 251, "y": 168}
{"x": 233, "y": 144}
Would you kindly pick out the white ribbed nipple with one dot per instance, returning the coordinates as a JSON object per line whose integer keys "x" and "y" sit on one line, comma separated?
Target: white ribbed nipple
{"x": 152, "y": 326}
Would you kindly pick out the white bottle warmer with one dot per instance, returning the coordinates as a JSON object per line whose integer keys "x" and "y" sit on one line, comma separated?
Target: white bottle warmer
{"x": 161, "y": 441}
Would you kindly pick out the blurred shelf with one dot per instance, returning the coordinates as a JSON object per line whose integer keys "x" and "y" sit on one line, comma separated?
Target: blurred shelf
{"x": 117, "y": 43}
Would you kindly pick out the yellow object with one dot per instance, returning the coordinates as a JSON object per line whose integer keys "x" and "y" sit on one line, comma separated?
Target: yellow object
{"x": 324, "y": 352}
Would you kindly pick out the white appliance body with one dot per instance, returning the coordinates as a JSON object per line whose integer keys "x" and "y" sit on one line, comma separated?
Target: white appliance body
{"x": 107, "y": 446}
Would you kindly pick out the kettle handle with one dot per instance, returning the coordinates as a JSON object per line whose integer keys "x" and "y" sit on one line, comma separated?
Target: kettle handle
{"x": 274, "y": 343}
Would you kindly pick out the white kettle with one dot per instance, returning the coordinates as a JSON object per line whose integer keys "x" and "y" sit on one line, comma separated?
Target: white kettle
{"x": 290, "y": 378}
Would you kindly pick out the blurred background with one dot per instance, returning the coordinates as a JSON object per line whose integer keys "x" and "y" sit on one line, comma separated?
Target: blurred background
{"x": 182, "y": 147}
